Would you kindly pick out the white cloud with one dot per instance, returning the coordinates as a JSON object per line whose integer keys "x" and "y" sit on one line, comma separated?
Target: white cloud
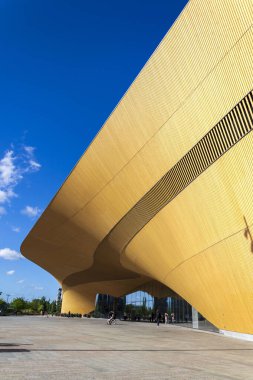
{"x": 20, "y": 281}
{"x": 34, "y": 165}
{"x": 9, "y": 174}
{"x": 31, "y": 211}
{"x": 15, "y": 229}
{"x": 6, "y": 195}
{"x": 10, "y": 272}
{"x": 38, "y": 288}
{"x": 13, "y": 167}
{"x": 29, "y": 150}
{"x": 9, "y": 254}
{"x": 2, "y": 210}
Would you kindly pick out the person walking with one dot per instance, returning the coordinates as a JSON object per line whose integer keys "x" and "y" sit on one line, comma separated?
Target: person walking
{"x": 158, "y": 316}
{"x": 166, "y": 318}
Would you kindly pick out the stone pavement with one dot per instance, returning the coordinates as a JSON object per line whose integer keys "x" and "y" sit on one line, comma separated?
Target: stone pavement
{"x": 62, "y": 348}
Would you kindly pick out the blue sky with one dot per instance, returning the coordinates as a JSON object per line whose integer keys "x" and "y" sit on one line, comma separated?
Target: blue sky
{"x": 64, "y": 66}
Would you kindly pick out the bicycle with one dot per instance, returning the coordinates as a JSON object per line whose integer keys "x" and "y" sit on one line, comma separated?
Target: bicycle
{"x": 111, "y": 321}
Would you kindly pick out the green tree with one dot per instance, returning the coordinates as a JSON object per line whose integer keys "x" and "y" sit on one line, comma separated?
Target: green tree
{"x": 3, "y": 306}
{"x": 39, "y": 305}
{"x": 59, "y": 301}
{"x": 53, "y": 307}
{"x": 34, "y": 305}
{"x": 19, "y": 304}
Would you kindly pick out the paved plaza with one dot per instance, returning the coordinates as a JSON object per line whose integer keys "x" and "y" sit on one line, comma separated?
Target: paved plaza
{"x": 62, "y": 348}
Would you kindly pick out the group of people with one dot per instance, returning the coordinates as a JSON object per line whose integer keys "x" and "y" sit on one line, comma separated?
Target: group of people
{"x": 112, "y": 317}
{"x": 158, "y": 317}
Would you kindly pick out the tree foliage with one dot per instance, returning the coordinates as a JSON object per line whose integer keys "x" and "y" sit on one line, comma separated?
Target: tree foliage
{"x": 3, "y": 306}
{"x": 19, "y": 304}
{"x": 35, "y": 306}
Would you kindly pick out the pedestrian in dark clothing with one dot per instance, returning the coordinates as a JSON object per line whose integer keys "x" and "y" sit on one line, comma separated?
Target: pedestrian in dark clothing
{"x": 158, "y": 316}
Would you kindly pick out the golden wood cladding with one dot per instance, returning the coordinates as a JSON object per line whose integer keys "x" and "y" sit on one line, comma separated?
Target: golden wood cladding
{"x": 165, "y": 189}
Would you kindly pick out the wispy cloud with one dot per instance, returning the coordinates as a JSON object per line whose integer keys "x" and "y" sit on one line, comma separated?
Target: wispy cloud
{"x": 6, "y": 194}
{"x": 20, "y": 281}
{"x": 29, "y": 150}
{"x": 15, "y": 229}
{"x": 32, "y": 163}
{"x": 9, "y": 173}
{"x": 9, "y": 177}
{"x": 10, "y": 272}
{"x": 30, "y": 211}
{"x": 38, "y": 288}
{"x": 9, "y": 254}
{"x": 13, "y": 167}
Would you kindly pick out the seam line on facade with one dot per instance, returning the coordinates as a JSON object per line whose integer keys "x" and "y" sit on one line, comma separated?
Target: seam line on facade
{"x": 207, "y": 248}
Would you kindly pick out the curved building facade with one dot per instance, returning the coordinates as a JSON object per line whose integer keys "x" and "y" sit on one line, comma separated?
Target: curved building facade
{"x": 164, "y": 192}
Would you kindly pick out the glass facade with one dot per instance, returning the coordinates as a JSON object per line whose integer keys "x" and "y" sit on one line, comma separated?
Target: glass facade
{"x": 106, "y": 303}
{"x": 142, "y": 306}
{"x": 139, "y": 306}
{"x": 182, "y": 310}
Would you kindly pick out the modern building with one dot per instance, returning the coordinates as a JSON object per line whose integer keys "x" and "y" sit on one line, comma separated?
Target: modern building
{"x": 164, "y": 193}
